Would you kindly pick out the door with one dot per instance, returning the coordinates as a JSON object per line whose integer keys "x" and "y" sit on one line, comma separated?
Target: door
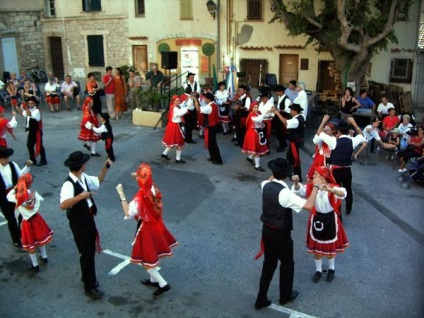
{"x": 325, "y": 77}
{"x": 10, "y": 59}
{"x": 289, "y": 68}
{"x": 190, "y": 62}
{"x": 56, "y": 55}
{"x": 139, "y": 53}
{"x": 254, "y": 71}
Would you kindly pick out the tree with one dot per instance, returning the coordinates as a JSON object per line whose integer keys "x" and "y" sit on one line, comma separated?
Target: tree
{"x": 353, "y": 31}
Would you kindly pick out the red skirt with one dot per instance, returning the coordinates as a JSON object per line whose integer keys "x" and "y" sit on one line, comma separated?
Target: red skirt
{"x": 35, "y": 233}
{"x": 251, "y": 144}
{"x": 327, "y": 247}
{"x": 88, "y": 135}
{"x": 152, "y": 242}
{"x": 174, "y": 136}
{"x": 53, "y": 100}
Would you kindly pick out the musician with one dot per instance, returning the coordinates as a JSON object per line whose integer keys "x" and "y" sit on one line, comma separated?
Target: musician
{"x": 222, "y": 98}
{"x": 282, "y": 106}
{"x": 241, "y": 111}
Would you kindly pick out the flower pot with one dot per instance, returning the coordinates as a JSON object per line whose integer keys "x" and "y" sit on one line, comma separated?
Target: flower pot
{"x": 147, "y": 118}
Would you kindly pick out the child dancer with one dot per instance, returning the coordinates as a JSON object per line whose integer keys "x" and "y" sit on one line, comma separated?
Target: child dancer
{"x": 34, "y": 230}
{"x": 105, "y": 131}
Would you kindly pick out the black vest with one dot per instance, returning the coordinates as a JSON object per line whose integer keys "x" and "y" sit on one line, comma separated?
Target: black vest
{"x": 80, "y": 212}
{"x": 282, "y": 105}
{"x": 273, "y": 214}
{"x": 342, "y": 154}
{"x": 3, "y": 186}
{"x": 189, "y": 90}
{"x": 296, "y": 134}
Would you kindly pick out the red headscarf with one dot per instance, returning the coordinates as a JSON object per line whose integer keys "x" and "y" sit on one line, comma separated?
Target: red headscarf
{"x": 171, "y": 107}
{"x": 152, "y": 203}
{"x": 326, "y": 173}
{"x": 24, "y": 183}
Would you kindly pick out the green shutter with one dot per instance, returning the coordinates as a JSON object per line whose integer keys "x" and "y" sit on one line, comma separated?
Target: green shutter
{"x": 95, "y": 50}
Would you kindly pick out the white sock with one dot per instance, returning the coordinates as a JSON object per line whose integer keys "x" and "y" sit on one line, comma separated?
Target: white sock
{"x": 318, "y": 265}
{"x": 178, "y": 154}
{"x": 251, "y": 157}
{"x": 201, "y": 132}
{"x": 154, "y": 273}
{"x": 33, "y": 259}
{"x": 43, "y": 252}
{"x": 224, "y": 128}
{"x": 257, "y": 162}
{"x": 93, "y": 147}
{"x": 166, "y": 151}
{"x": 331, "y": 263}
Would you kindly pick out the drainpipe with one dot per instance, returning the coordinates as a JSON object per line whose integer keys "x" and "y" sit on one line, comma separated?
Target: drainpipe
{"x": 218, "y": 42}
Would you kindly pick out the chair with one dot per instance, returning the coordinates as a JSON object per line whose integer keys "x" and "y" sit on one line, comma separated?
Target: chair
{"x": 380, "y": 152}
{"x": 271, "y": 80}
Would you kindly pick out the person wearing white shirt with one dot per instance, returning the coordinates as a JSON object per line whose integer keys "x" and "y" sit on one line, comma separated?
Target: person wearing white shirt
{"x": 384, "y": 106}
{"x": 283, "y": 103}
{"x": 265, "y": 108}
{"x": 302, "y": 100}
{"x": 6, "y": 126}
{"x": 222, "y": 99}
{"x": 9, "y": 175}
{"x": 52, "y": 96}
{"x": 70, "y": 90}
{"x": 35, "y": 132}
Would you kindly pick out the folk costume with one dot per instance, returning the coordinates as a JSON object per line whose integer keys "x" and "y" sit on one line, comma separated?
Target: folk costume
{"x": 265, "y": 107}
{"x": 295, "y": 130}
{"x": 280, "y": 130}
{"x": 152, "y": 240}
{"x": 6, "y": 126}
{"x": 105, "y": 132}
{"x": 35, "y": 231}
{"x": 222, "y": 98}
{"x": 89, "y": 120}
{"x": 34, "y": 126}
{"x": 240, "y": 115}
{"x": 190, "y": 118}
{"x": 255, "y": 142}
{"x": 325, "y": 235}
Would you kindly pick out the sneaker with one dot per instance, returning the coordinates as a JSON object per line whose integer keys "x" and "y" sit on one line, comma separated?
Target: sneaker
{"x": 387, "y": 157}
{"x": 392, "y": 157}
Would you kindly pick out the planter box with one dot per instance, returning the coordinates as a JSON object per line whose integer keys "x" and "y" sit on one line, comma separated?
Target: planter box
{"x": 147, "y": 118}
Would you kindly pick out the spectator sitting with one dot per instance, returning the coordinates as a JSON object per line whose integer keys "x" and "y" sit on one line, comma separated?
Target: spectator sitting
{"x": 384, "y": 106}
{"x": 404, "y": 127}
{"x": 392, "y": 143}
{"x": 414, "y": 148}
{"x": 365, "y": 101}
{"x": 370, "y": 132}
{"x": 29, "y": 89}
{"x": 388, "y": 123}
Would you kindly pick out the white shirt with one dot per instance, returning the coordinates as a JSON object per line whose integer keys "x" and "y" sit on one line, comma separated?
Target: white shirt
{"x": 68, "y": 87}
{"x": 286, "y": 105}
{"x": 370, "y": 132}
{"x": 67, "y": 191}
{"x": 6, "y": 173}
{"x": 287, "y": 198}
{"x": 35, "y": 114}
{"x": 100, "y": 130}
{"x": 248, "y": 102}
{"x": 265, "y": 109}
{"x": 221, "y": 97}
{"x": 293, "y": 123}
{"x": 384, "y": 109}
{"x": 178, "y": 113}
{"x": 26, "y": 213}
{"x": 50, "y": 88}
{"x": 10, "y": 124}
{"x": 322, "y": 202}
{"x": 198, "y": 88}
{"x": 302, "y": 100}
{"x": 207, "y": 109}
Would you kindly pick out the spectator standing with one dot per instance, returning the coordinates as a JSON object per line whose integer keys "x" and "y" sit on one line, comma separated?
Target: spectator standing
{"x": 291, "y": 91}
{"x": 93, "y": 90}
{"x": 120, "y": 93}
{"x": 109, "y": 87}
{"x": 134, "y": 83}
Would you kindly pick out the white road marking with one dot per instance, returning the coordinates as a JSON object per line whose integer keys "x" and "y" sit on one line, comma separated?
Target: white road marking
{"x": 109, "y": 252}
{"x": 3, "y": 223}
{"x": 292, "y": 313}
{"x": 121, "y": 265}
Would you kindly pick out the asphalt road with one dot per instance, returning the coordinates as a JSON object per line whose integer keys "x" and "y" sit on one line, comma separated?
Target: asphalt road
{"x": 214, "y": 212}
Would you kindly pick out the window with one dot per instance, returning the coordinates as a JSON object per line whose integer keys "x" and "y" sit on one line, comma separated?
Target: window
{"x": 401, "y": 71}
{"x": 139, "y": 8}
{"x": 95, "y": 50}
{"x": 50, "y": 8}
{"x": 91, "y": 5}
{"x": 186, "y": 10}
{"x": 254, "y": 9}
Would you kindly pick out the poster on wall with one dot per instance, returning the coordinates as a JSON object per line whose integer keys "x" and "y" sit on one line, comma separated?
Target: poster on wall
{"x": 190, "y": 62}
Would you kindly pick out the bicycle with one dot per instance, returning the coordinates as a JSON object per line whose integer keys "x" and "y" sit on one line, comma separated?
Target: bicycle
{"x": 36, "y": 74}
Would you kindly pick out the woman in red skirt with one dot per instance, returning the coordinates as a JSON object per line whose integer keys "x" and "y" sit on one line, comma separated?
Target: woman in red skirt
{"x": 152, "y": 239}
{"x": 89, "y": 120}
{"x": 174, "y": 134}
{"x": 35, "y": 231}
{"x": 255, "y": 143}
{"x": 325, "y": 233}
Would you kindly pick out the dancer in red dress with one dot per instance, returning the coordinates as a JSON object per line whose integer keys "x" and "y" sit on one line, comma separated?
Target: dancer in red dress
{"x": 89, "y": 120}
{"x": 174, "y": 134}
{"x": 6, "y": 126}
{"x": 325, "y": 233}
{"x": 255, "y": 143}
{"x": 35, "y": 231}
{"x": 152, "y": 239}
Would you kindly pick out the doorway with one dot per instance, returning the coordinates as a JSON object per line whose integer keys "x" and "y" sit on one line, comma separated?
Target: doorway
{"x": 289, "y": 68}
{"x": 56, "y": 55}
{"x": 254, "y": 71}
{"x": 139, "y": 53}
{"x": 10, "y": 59}
{"x": 325, "y": 77}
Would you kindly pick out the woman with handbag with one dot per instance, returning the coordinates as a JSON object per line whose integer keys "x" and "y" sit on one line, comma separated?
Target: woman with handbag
{"x": 325, "y": 233}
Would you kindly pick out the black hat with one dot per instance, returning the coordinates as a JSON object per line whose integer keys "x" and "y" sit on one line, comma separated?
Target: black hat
{"x": 209, "y": 96}
{"x": 296, "y": 107}
{"x": 75, "y": 159}
{"x": 264, "y": 94}
{"x": 281, "y": 166}
{"x": 105, "y": 116}
{"x": 221, "y": 83}
{"x": 243, "y": 87}
{"x": 33, "y": 99}
{"x": 342, "y": 125}
{"x": 5, "y": 152}
{"x": 279, "y": 88}
{"x": 190, "y": 74}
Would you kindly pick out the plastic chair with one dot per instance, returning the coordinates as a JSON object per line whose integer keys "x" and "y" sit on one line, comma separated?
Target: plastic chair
{"x": 271, "y": 80}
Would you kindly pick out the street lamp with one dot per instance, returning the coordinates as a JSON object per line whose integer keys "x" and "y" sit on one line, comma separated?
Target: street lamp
{"x": 211, "y": 8}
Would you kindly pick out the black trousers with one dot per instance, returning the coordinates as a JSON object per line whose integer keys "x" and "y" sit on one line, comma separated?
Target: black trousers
{"x": 278, "y": 247}
{"x": 85, "y": 239}
{"x": 280, "y": 132}
{"x": 31, "y": 141}
{"x": 290, "y": 157}
{"x": 240, "y": 130}
{"x": 190, "y": 123}
{"x": 343, "y": 177}
{"x": 8, "y": 210}
{"x": 213, "y": 145}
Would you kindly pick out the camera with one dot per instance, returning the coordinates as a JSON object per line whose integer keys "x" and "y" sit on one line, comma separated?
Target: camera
{"x": 413, "y": 132}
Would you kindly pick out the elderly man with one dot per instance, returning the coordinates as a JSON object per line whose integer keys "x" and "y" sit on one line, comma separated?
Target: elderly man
{"x": 70, "y": 90}
{"x": 302, "y": 100}
{"x": 155, "y": 77}
{"x": 384, "y": 106}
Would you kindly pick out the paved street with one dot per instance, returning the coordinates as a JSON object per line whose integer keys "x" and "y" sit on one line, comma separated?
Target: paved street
{"x": 214, "y": 212}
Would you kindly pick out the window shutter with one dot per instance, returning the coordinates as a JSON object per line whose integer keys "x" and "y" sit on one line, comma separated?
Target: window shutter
{"x": 95, "y": 50}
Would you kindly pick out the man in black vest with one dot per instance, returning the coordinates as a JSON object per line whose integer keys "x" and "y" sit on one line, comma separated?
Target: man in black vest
{"x": 191, "y": 87}
{"x": 9, "y": 175}
{"x": 76, "y": 198}
{"x": 283, "y": 103}
{"x": 341, "y": 158}
{"x": 34, "y": 126}
{"x": 278, "y": 201}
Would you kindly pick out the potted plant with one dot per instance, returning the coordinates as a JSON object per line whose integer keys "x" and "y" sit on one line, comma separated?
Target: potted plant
{"x": 150, "y": 110}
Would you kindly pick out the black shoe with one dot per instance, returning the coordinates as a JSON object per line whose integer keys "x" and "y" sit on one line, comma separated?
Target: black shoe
{"x": 44, "y": 260}
{"x": 34, "y": 269}
{"x": 180, "y": 161}
{"x": 294, "y": 295}
{"x": 191, "y": 142}
{"x": 280, "y": 149}
{"x": 316, "y": 277}
{"x": 209, "y": 159}
{"x": 165, "y": 156}
{"x": 162, "y": 290}
{"x": 94, "y": 293}
{"x": 95, "y": 155}
{"x": 18, "y": 247}
{"x": 86, "y": 146}
{"x": 250, "y": 160}
{"x": 43, "y": 163}
{"x": 262, "y": 304}
{"x": 202, "y": 136}
{"x": 96, "y": 283}
{"x": 148, "y": 282}
{"x": 348, "y": 211}
{"x": 259, "y": 169}
{"x": 233, "y": 139}
{"x": 330, "y": 276}
{"x": 225, "y": 133}
{"x": 216, "y": 162}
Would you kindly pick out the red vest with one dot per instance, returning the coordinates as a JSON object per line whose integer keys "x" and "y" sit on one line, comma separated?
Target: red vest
{"x": 214, "y": 116}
